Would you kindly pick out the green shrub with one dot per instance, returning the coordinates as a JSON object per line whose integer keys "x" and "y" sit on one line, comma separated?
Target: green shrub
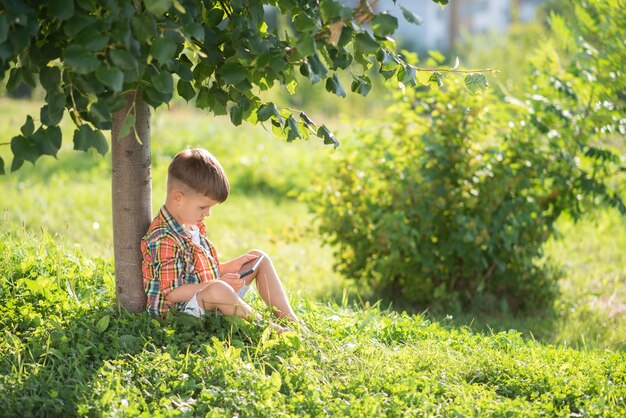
{"x": 445, "y": 204}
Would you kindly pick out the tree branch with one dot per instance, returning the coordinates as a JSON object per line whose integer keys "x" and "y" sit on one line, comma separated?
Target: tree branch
{"x": 451, "y": 70}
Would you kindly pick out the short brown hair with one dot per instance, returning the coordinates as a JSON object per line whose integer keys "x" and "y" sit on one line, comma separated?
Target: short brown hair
{"x": 199, "y": 170}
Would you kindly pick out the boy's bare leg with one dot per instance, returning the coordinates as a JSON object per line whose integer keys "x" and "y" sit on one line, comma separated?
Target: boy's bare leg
{"x": 271, "y": 289}
{"x": 219, "y": 295}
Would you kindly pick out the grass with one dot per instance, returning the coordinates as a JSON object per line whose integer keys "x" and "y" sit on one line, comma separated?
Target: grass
{"x": 66, "y": 350}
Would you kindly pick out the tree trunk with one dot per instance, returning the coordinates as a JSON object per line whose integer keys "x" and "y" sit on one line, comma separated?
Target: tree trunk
{"x": 132, "y": 201}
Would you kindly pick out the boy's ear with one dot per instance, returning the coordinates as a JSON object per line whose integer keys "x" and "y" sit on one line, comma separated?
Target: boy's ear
{"x": 177, "y": 196}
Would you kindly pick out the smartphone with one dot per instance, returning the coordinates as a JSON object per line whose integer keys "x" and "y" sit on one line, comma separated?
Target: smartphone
{"x": 250, "y": 267}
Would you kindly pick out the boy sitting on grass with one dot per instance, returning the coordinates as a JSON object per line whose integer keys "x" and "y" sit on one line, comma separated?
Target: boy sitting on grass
{"x": 181, "y": 268}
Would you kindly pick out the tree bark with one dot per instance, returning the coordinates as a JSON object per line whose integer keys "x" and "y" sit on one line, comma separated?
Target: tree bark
{"x": 132, "y": 200}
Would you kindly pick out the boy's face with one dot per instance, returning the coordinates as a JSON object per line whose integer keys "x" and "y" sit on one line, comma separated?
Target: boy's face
{"x": 192, "y": 207}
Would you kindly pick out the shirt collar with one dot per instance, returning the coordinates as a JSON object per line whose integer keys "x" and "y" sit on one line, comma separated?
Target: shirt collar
{"x": 172, "y": 223}
{"x": 176, "y": 226}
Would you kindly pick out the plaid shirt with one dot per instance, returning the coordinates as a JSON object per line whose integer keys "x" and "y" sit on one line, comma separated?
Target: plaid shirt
{"x": 171, "y": 259}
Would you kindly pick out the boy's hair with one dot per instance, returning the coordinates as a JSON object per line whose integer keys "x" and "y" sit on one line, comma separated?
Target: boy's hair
{"x": 199, "y": 170}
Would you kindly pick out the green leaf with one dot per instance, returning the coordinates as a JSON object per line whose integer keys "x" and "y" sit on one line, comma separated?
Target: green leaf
{"x": 4, "y": 29}
{"x": 306, "y": 119}
{"x": 441, "y": 2}
{"x": 80, "y": 59}
{"x": 202, "y": 71}
{"x": 219, "y": 100}
{"x": 215, "y": 16}
{"x": 333, "y": 85}
{"x": 476, "y": 83}
{"x": 332, "y": 10}
{"x": 103, "y": 324}
{"x": 94, "y": 41}
{"x": 163, "y": 49}
{"x": 144, "y": 27}
{"x": 50, "y": 78}
{"x": 111, "y": 77}
{"x": 2, "y": 172}
{"x": 128, "y": 341}
{"x": 327, "y": 135}
{"x": 157, "y": 7}
{"x": 292, "y": 129}
{"x": 406, "y": 75}
{"x": 233, "y": 72}
{"x": 195, "y": 31}
{"x": 154, "y": 97}
{"x": 179, "y": 7}
{"x": 361, "y": 85}
{"x": 61, "y": 9}
{"x": 339, "y": 58}
{"x": 123, "y": 59}
{"x": 411, "y": 17}
{"x": 76, "y": 24}
{"x": 25, "y": 148}
{"x": 52, "y": 113}
{"x": 436, "y": 78}
{"x": 387, "y": 60}
{"x": 304, "y": 22}
{"x": 317, "y": 67}
{"x": 204, "y": 98}
{"x": 48, "y": 140}
{"x": 184, "y": 70}
{"x": 29, "y": 126}
{"x": 15, "y": 78}
{"x": 185, "y": 90}
{"x": 266, "y": 111}
{"x": 163, "y": 82}
{"x": 365, "y": 43}
{"x": 100, "y": 115}
{"x": 236, "y": 115}
{"x": 16, "y": 164}
{"x": 384, "y": 25}
{"x": 85, "y": 137}
{"x": 306, "y": 45}
{"x": 127, "y": 126}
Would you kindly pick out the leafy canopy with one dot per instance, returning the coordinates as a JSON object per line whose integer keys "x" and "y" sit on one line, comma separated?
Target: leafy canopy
{"x": 90, "y": 54}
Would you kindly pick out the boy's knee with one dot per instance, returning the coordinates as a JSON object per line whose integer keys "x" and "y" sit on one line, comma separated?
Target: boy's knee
{"x": 259, "y": 253}
{"x": 217, "y": 289}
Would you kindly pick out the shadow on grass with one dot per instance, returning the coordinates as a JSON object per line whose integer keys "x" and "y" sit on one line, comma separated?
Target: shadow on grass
{"x": 539, "y": 325}
{"x": 60, "y": 366}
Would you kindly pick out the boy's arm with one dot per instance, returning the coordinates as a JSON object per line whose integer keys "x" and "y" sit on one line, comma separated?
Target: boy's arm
{"x": 184, "y": 293}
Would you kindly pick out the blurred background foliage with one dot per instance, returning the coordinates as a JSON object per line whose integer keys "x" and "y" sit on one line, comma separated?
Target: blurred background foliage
{"x": 449, "y": 201}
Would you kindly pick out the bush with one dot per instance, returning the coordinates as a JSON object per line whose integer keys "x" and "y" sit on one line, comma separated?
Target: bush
{"x": 446, "y": 204}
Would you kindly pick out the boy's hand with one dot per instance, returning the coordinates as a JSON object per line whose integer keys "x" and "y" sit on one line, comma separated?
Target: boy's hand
{"x": 233, "y": 280}
{"x": 242, "y": 259}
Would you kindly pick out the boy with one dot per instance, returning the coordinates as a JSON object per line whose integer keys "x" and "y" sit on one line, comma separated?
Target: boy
{"x": 180, "y": 267}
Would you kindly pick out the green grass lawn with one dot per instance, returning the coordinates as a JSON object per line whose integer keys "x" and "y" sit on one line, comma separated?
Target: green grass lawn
{"x": 66, "y": 350}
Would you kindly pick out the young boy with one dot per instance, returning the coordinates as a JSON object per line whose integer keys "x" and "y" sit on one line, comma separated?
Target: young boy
{"x": 181, "y": 268}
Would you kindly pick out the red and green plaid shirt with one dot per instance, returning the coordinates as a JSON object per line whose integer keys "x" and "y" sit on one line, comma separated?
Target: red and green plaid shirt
{"x": 171, "y": 259}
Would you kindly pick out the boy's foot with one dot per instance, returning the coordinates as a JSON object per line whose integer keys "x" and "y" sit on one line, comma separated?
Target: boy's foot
{"x": 277, "y": 328}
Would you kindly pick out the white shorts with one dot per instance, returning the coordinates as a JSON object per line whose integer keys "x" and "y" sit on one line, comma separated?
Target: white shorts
{"x": 193, "y": 308}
